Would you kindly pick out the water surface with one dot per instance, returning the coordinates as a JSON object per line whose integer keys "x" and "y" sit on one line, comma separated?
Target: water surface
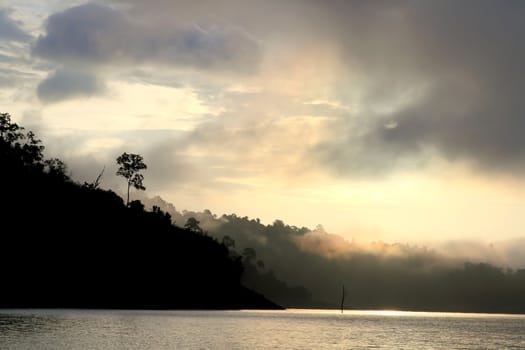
{"x": 289, "y": 329}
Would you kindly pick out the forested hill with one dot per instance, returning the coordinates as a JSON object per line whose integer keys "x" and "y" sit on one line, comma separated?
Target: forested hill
{"x": 315, "y": 264}
{"x": 70, "y": 245}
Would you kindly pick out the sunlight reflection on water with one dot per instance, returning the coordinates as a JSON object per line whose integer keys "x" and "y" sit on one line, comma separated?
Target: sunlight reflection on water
{"x": 249, "y": 329}
{"x": 387, "y": 312}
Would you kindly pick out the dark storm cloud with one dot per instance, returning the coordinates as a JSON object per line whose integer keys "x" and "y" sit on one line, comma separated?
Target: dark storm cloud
{"x": 98, "y": 34}
{"x": 66, "y": 83}
{"x": 462, "y": 61}
{"x": 10, "y": 29}
{"x": 476, "y": 111}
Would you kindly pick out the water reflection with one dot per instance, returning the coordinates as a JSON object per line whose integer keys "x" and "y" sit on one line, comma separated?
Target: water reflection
{"x": 22, "y": 323}
{"x": 290, "y": 329}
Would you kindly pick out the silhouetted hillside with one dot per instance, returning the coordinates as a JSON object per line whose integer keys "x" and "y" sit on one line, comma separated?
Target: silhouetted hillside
{"x": 70, "y": 245}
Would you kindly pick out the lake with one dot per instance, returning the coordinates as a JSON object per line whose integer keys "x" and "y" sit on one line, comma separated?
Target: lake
{"x": 288, "y": 329}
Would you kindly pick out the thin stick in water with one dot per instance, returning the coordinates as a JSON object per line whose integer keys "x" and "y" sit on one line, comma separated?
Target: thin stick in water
{"x": 343, "y": 299}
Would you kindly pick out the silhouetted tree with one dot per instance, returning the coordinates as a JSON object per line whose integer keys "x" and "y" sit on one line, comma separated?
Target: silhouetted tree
{"x": 9, "y": 132}
{"x": 192, "y": 224}
{"x": 17, "y": 145}
{"x": 55, "y": 167}
{"x": 130, "y": 165}
{"x": 166, "y": 217}
{"x": 136, "y": 206}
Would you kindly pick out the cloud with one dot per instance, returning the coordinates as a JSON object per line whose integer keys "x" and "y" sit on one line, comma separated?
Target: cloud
{"x": 11, "y": 77}
{"x": 99, "y": 34}
{"x": 67, "y": 83}
{"x": 10, "y": 29}
{"x": 433, "y": 78}
{"x": 88, "y": 32}
{"x": 445, "y": 74}
{"x": 417, "y": 79}
{"x": 168, "y": 167}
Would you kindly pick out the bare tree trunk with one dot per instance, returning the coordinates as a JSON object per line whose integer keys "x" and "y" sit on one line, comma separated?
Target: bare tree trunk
{"x": 343, "y": 299}
{"x": 127, "y": 202}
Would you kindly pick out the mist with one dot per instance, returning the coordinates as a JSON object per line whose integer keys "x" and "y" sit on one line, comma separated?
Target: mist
{"x": 375, "y": 273}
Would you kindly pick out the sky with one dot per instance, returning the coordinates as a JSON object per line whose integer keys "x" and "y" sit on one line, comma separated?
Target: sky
{"x": 394, "y": 121}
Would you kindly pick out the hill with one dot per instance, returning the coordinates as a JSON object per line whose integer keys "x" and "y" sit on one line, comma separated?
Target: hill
{"x": 69, "y": 245}
{"x": 315, "y": 264}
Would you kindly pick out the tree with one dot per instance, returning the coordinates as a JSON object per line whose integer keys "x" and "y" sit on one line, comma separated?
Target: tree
{"x": 56, "y": 168}
{"x": 130, "y": 165}
{"x": 192, "y": 224}
{"x": 17, "y": 145}
{"x": 9, "y": 132}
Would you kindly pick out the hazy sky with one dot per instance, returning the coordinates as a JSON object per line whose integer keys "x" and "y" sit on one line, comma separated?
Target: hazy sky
{"x": 389, "y": 120}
